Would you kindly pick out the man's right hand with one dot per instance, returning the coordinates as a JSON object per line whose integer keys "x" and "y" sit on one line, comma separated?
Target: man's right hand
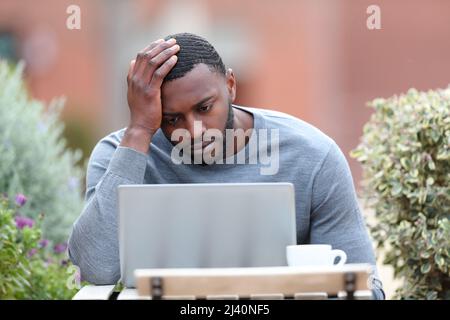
{"x": 145, "y": 77}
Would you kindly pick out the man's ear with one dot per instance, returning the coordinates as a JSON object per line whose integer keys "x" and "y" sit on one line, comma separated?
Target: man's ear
{"x": 231, "y": 85}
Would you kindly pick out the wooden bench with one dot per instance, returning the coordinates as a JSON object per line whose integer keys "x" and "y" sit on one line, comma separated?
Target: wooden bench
{"x": 350, "y": 281}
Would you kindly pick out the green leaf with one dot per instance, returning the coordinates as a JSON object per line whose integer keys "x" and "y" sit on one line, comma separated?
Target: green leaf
{"x": 396, "y": 189}
{"x": 425, "y": 254}
{"x": 439, "y": 259}
{"x": 406, "y": 163}
{"x": 430, "y": 181}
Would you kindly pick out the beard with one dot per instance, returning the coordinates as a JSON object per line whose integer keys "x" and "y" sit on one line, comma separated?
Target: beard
{"x": 230, "y": 119}
{"x": 229, "y": 124}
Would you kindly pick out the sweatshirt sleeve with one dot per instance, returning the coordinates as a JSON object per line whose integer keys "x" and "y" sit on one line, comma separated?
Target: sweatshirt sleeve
{"x": 93, "y": 243}
{"x": 336, "y": 218}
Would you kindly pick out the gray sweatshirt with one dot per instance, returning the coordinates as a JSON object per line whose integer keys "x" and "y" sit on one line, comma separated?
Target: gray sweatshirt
{"x": 327, "y": 210}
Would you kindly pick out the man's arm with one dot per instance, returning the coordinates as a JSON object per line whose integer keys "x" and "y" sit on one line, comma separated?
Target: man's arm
{"x": 335, "y": 214}
{"x": 93, "y": 244}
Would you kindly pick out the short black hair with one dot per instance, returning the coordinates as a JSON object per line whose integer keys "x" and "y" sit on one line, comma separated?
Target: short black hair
{"x": 193, "y": 50}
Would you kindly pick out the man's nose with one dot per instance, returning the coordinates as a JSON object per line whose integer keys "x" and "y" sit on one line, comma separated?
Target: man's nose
{"x": 196, "y": 128}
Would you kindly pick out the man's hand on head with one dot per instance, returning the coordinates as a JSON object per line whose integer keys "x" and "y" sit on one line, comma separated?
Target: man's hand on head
{"x": 145, "y": 77}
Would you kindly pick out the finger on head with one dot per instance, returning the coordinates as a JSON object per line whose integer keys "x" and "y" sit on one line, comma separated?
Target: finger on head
{"x": 149, "y": 48}
{"x": 158, "y": 60}
{"x": 162, "y": 47}
{"x": 162, "y": 71}
{"x": 153, "y": 44}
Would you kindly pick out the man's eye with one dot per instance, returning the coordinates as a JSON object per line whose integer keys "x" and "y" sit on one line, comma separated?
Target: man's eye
{"x": 172, "y": 121}
{"x": 204, "y": 108}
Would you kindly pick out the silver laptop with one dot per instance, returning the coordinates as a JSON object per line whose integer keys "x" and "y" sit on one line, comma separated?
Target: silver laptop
{"x": 204, "y": 226}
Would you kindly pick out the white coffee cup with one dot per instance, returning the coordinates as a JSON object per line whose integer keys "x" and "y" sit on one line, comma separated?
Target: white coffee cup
{"x": 314, "y": 255}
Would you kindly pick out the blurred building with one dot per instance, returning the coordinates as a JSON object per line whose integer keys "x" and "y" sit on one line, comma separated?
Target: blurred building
{"x": 314, "y": 59}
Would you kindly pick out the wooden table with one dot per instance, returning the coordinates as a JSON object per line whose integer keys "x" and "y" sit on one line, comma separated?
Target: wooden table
{"x": 351, "y": 281}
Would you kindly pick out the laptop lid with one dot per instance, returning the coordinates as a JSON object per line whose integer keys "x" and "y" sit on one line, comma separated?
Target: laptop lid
{"x": 204, "y": 226}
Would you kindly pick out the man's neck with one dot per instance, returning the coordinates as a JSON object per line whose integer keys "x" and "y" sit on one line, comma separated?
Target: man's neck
{"x": 242, "y": 120}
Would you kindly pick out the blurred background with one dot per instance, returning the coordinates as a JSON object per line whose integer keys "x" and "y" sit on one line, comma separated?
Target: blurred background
{"x": 314, "y": 59}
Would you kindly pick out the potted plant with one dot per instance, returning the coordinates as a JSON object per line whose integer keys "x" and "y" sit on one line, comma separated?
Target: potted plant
{"x": 34, "y": 159}
{"x": 32, "y": 267}
{"x": 405, "y": 156}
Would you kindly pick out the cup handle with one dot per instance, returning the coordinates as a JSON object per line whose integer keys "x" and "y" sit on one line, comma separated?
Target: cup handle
{"x": 341, "y": 254}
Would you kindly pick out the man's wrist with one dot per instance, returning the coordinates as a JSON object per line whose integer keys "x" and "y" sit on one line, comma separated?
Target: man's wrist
{"x": 138, "y": 138}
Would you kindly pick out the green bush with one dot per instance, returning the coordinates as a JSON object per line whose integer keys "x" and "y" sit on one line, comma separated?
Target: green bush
{"x": 30, "y": 267}
{"x": 34, "y": 159}
{"x": 405, "y": 155}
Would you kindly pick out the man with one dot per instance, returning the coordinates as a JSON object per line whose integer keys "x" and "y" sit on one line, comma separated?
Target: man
{"x": 182, "y": 83}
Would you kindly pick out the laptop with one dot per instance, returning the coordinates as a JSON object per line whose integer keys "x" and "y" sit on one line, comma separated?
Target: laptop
{"x": 204, "y": 226}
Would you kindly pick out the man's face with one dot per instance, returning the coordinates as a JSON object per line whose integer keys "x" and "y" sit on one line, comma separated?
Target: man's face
{"x": 201, "y": 95}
